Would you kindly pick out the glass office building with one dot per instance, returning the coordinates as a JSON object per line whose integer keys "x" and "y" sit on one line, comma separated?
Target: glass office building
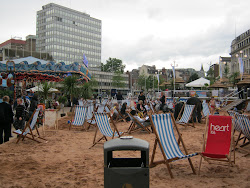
{"x": 67, "y": 34}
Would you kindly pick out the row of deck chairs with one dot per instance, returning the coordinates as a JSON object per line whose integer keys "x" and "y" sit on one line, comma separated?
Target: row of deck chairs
{"x": 242, "y": 127}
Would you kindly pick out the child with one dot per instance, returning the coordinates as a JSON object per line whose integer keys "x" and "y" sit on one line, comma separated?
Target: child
{"x": 212, "y": 105}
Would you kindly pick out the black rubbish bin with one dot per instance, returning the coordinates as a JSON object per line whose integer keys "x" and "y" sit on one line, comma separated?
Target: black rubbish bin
{"x": 126, "y": 172}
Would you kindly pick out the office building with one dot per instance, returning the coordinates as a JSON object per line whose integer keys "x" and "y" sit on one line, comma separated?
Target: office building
{"x": 67, "y": 34}
{"x": 240, "y": 50}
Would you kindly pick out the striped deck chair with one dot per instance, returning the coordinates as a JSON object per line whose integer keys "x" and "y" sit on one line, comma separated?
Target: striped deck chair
{"x": 205, "y": 110}
{"x": 27, "y": 132}
{"x": 90, "y": 115}
{"x": 79, "y": 117}
{"x": 163, "y": 126}
{"x": 103, "y": 125}
{"x": 245, "y": 128}
{"x": 218, "y": 140}
{"x": 186, "y": 116}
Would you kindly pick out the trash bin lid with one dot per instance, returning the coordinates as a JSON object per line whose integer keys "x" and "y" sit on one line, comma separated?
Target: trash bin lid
{"x": 126, "y": 144}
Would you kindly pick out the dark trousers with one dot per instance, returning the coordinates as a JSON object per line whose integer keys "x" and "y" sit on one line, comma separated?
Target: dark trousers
{"x": 6, "y": 130}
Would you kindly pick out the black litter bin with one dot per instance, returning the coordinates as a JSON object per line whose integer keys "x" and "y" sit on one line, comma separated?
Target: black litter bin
{"x": 126, "y": 172}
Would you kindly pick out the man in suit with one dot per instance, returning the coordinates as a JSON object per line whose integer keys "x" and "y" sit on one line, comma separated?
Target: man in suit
{"x": 6, "y": 119}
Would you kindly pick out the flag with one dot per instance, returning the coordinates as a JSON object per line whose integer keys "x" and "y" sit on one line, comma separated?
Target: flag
{"x": 85, "y": 61}
{"x": 241, "y": 65}
{"x": 158, "y": 78}
{"x": 173, "y": 71}
{"x": 220, "y": 69}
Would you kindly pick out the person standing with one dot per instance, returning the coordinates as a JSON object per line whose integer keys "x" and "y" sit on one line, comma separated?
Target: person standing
{"x": 119, "y": 98}
{"x": 33, "y": 105}
{"x": 197, "y": 109}
{"x": 6, "y": 119}
{"x": 141, "y": 97}
{"x": 20, "y": 114}
{"x": 163, "y": 100}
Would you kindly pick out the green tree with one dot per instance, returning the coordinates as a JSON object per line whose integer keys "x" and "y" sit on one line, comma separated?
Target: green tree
{"x": 210, "y": 75}
{"x": 226, "y": 71}
{"x": 118, "y": 80}
{"x": 113, "y": 65}
{"x": 70, "y": 86}
{"x": 141, "y": 81}
{"x": 45, "y": 87}
{"x": 193, "y": 77}
{"x": 86, "y": 91}
{"x": 233, "y": 77}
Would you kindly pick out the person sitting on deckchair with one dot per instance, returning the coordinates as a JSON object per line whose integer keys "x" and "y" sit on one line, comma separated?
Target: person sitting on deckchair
{"x": 113, "y": 111}
{"x": 144, "y": 121}
{"x": 123, "y": 111}
{"x": 141, "y": 108}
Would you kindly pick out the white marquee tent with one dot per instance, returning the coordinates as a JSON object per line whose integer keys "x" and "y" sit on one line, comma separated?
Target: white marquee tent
{"x": 198, "y": 83}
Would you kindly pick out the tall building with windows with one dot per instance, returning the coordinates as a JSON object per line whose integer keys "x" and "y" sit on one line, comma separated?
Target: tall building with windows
{"x": 67, "y": 34}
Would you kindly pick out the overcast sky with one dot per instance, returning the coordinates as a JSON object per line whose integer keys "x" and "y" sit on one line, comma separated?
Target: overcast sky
{"x": 138, "y": 32}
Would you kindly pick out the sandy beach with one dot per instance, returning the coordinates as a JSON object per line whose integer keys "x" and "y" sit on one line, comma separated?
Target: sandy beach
{"x": 65, "y": 160}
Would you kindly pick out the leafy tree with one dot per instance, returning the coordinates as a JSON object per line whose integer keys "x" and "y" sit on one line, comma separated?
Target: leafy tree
{"x": 70, "y": 86}
{"x": 45, "y": 87}
{"x": 141, "y": 81}
{"x": 233, "y": 77}
{"x": 113, "y": 65}
{"x": 210, "y": 75}
{"x": 118, "y": 80}
{"x": 226, "y": 71}
{"x": 86, "y": 91}
{"x": 193, "y": 77}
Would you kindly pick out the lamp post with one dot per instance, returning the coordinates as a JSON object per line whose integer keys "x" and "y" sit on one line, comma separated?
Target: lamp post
{"x": 173, "y": 67}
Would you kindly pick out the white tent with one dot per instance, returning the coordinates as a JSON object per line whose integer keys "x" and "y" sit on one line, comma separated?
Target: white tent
{"x": 36, "y": 88}
{"x": 198, "y": 83}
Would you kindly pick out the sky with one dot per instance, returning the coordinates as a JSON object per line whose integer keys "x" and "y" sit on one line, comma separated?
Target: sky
{"x": 145, "y": 32}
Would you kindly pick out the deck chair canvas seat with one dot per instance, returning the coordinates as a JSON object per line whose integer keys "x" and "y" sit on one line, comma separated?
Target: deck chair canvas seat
{"x": 30, "y": 126}
{"x": 90, "y": 115}
{"x": 218, "y": 140}
{"x": 163, "y": 126}
{"x": 79, "y": 117}
{"x": 205, "y": 110}
{"x": 103, "y": 125}
{"x": 187, "y": 115}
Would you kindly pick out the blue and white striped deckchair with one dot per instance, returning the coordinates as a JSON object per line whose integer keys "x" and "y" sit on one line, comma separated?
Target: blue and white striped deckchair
{"x": 187, "y": 115}
{"x": 163, "y": 125}
{"x": 100, "y": 108}
{"x": 236, "y": 120}
{"x": 205, "y": 110}
{"x": 245, "y": 127}
{"x": 90, "y": 115}
{"x": 30, "y": 125}
{"x": 102, "y": 121}
{"x": 79, "y": 118}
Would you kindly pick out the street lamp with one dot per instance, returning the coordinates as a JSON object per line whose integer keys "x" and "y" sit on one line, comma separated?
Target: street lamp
{"x": 173, "y": 67}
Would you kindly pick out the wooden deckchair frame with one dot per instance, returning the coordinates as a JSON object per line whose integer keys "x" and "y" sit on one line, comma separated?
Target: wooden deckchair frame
{"x": 103, "y": 136}
{"x": 228, "y": 157}
{"x": 191, "y": 117}
{"x": 92, "y": 118}
{"x": 165, "y": 160}
{"x": 32, "y": 135}
{"x": 134, "y": 128}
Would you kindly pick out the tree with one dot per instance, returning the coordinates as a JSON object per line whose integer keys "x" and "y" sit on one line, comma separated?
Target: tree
{"x": 69, "y": 86}
{"x": 45, "y": 87}
{"x": 226, "y": 71}
{"x": 141, "y": 81}
{"x": 210, "y": 75}
{"x": 113, "y": 65}
{"x": 193, "y": 77}
{"x": 86, "y": 91}
{"x": 233, "y": 77}
{"x": 118, "y": 80}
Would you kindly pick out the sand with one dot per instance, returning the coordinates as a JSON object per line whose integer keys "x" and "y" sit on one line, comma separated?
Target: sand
{"x": 66, "y": 161}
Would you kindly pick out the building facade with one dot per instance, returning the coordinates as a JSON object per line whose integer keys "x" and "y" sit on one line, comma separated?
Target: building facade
{"x": 240, "y": 50}
{"x": 104, "y": 80}
{"x": 67, "y": 34}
